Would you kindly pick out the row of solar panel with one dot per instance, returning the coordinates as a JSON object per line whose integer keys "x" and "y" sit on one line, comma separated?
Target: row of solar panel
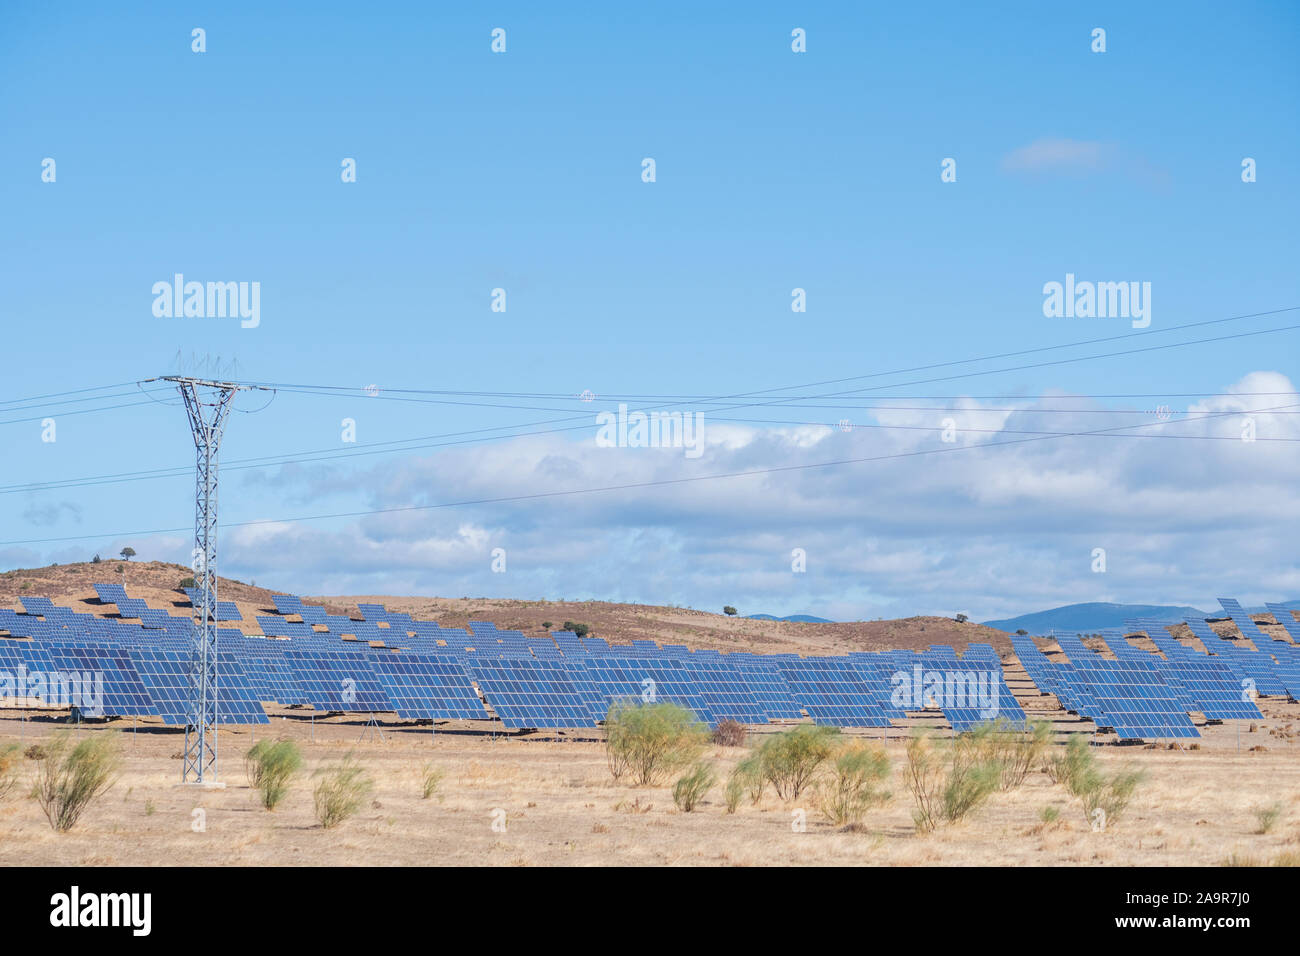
{"x": 1141, "y": 695}
{"x": 856, "y": 691}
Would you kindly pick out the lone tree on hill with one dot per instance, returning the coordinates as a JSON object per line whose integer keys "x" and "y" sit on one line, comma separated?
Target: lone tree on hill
{"x": 729, "y": 611}
{"x": 127, "y": 553}
{"x": 962, "y": 619}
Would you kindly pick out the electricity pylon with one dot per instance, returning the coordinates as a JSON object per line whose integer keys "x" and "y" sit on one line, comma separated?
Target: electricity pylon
{"x": 208, "y": 405}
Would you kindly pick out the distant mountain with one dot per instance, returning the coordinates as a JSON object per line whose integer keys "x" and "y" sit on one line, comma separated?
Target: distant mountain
{"x": 797, "y": 618}
{"x": 1088, "y": 618}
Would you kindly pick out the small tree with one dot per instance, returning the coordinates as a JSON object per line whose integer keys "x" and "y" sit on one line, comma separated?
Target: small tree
{"x": 853, "y": 786}
{"x": 582, "y": 630}
{"x": 746, "y": 778}
{"x": 1015, "y": 748}
{"x": 1104, "y": 798}
{"x": 1021, "y": 632}
{"x": 650, "y": 741}
{"x": 270, "y": 765}
{"x": 96, "y": 559}
{"x": 690, "y": 789}
{"x": 431, "y": 780}
{"x": 962, "y": 618}
{"x": 729, "y": 611}
{"x": 948, "y": 786}
{"x": 343, "y": 788}
{"x": 71, "y": 777}
{"x": 127, "y": 553}
{"x": 789, "y": 759}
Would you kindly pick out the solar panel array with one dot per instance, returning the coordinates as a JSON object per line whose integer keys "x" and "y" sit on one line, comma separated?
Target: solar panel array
{"x": 1143, "y": 695}
{"x": 386, "y": 662}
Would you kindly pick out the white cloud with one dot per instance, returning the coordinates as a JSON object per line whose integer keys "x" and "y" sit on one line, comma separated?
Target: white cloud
{"x": 990, "y": 530}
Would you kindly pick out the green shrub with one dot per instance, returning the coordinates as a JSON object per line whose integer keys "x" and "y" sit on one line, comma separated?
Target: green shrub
{"x": 853, "y": 785}
{"x": 71, "y": 776}
{"x": 746, "y": 778}
{"x": 1049, "y": 815}
{"x": 789, "y": 759}
{"x": 582, "y": 630}
{"x": 1104, "y": 798}
{"x": 948, "y": 784}
{"x": 972, "y": 779}
{"x": 269, "y": 765}
{"x": 1015, "y": 749}
{"x": 1068, "y": 766}
{"x": 650, "y": 741}
{"x": 1266, "y": 818}
{"x": 431, "y": 781}
{"x": 342, "y": 790}
{"x": 10, "y": 758}
{"x": 1105, "y": 803}
{"x": 691, "y": 787}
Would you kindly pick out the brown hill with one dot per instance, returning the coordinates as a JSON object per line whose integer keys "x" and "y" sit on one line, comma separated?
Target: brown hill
{"x": 156, "y": 583}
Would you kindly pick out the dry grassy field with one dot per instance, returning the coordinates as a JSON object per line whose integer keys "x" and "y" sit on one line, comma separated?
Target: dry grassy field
{"x": 561, "y": 806}
{"x": 539, "y": 799}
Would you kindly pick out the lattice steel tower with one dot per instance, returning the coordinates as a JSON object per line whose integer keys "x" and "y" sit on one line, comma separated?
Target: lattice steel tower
{"x": 208, "y": 404}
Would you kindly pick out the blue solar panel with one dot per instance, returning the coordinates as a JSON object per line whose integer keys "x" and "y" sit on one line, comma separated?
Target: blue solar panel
{"x": 116, "y": 688}
{"x": 769, "y": 689}
{"x": 649, "y": 680}
{"x": 427, "y": 687}
{"x": 336, "y": 680}
{"x": 832, "y": 692}
{"x": 166, "y": 675}
{"x": 532, "y": 693}
{"x": 724, "y": 691}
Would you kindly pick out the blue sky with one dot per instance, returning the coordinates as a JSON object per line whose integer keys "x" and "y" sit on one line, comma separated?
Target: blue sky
{"x": 775, "y": 170}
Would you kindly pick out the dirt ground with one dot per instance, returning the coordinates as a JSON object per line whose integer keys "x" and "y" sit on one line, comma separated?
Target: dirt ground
{"x": 560, "y": 806}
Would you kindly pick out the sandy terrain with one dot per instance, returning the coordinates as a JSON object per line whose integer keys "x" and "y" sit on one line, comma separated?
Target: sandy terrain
{"x": 561, "y": 807}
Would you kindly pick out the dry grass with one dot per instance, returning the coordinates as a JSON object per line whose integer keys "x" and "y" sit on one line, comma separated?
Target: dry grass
{"x": 561, "y": 807}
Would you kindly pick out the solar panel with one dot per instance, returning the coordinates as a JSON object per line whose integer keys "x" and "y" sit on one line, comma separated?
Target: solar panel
{"x": 532, "y": 693}
{"x": 1135, "y": 701}
{"x": 166, "y": 675}
{"x": 427, "y": 687}
{"x": 769, "y": 689}
{"x": 110, "y": 684}
{"x": 830, "y": 689}
{"x": 725, "y": 691}
{"x": 651, "y": 680}
{"x": 335, "y": 680}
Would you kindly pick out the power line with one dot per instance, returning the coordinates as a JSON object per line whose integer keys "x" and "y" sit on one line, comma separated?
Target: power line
{"x": 585, "y": 419}
{"x": 82, "y": 411}
{"x": 627, "y": 486}
{"x": 78, "y": 391}
{"x": 368, "y": 449}
{"x": 920, "y": 368}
